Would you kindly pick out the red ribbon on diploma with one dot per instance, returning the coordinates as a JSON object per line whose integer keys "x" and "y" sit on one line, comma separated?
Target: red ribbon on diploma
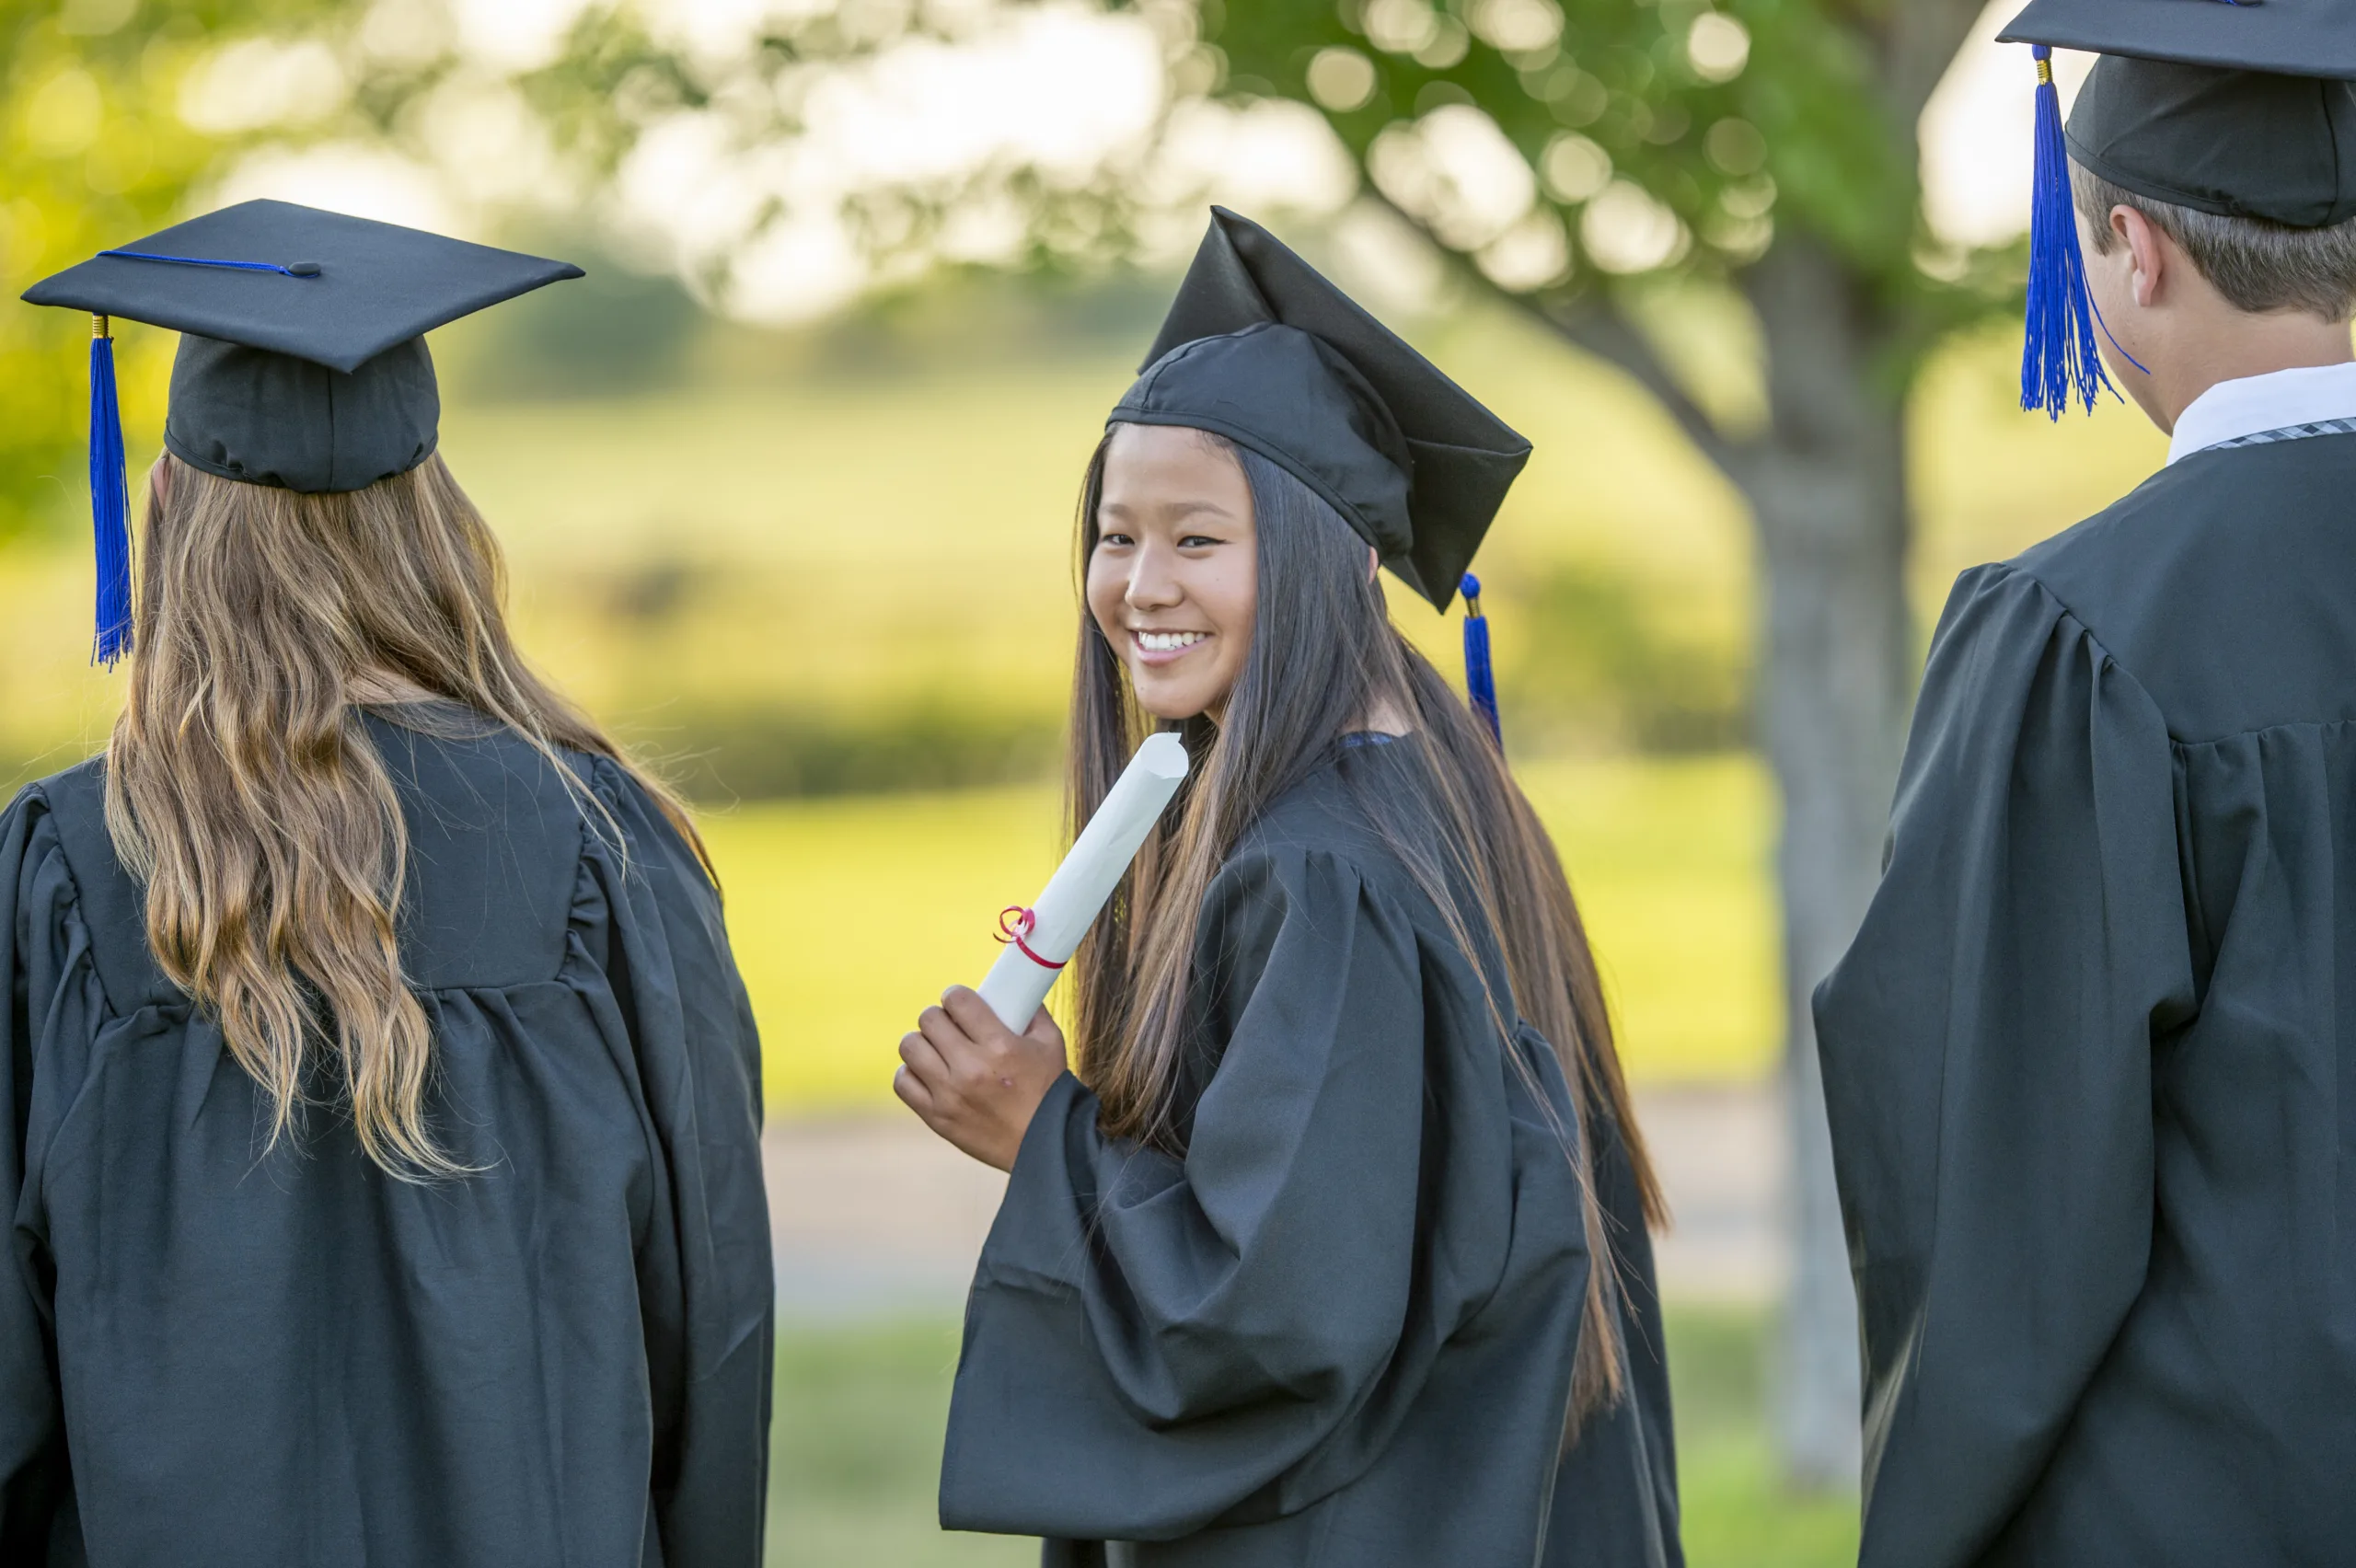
{"x": 1014, "y": 923}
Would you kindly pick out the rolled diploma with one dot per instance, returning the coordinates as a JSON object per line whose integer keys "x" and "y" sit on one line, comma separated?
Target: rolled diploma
{"x": 1017, "y": 984}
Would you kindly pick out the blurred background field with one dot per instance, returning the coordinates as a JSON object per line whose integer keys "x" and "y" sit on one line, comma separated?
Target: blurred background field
{"x": 850, "y": 915}
{"x": 791, "y": 579}
{"x": 824, "y": 579}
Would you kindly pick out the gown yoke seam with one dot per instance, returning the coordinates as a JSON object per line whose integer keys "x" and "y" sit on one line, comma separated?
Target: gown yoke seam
{"x": 2108, "y": 661}
{"x": 73, "y": 886}
{"x": 2322, "y": 726}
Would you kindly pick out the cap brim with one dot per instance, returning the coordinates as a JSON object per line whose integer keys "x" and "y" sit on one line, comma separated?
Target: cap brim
{"x": 378, "y": 284}
{"x": 2285, "y": 38}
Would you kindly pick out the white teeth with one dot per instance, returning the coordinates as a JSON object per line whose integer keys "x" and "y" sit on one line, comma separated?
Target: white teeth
{"x": 1168, "y": 642}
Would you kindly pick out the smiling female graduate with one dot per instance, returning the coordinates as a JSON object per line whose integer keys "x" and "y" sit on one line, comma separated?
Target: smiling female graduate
{"x": 1334, "y": 1251}
{"x": 378, "y": 1102}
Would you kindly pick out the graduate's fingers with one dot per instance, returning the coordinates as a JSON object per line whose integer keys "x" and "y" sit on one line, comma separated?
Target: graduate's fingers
{"x": 946, "y": 1035}
{"x": 1046, "y": 1031}
{"x": 970, "y": 1013}
{"x": 997, "y": 1042}
{"x": 925, "y": 1064}
{"x": 912, "y": 1093}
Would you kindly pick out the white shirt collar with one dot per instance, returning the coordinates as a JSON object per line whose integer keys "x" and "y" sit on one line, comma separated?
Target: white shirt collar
{"x": 2257, "y": 403}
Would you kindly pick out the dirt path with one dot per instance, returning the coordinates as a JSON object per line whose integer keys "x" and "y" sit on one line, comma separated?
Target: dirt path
{"x": 872, "y": 1215}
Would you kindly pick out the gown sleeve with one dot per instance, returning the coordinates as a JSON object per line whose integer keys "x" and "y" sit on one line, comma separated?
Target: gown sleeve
{"x": 706, "y": 1286}
{"x": 1151, "y": 1341}
{"x": 1987, "y": 1052}
{"x": 47, "y": 985}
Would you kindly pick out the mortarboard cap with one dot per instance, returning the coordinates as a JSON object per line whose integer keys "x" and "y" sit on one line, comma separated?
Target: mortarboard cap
{"x": 2239, "y": 108}
{"x": 2245, "y": 110}
{"x": 302, "y": 362}
{"x": 301, "y": 366}
{"x": 1259, "y": 348}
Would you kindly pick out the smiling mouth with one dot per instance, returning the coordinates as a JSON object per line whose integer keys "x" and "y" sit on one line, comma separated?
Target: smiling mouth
{"x": 1166, "y": 642}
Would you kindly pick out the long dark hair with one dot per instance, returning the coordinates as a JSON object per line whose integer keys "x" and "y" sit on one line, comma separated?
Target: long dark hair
{"x": 1323, "y": 656}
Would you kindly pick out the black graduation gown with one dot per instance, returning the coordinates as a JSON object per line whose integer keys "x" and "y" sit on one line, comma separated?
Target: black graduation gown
{"x": 2092, "y": 1084}
{"x": 221, "y": 1360}
{"x": 1339, "y": 1331}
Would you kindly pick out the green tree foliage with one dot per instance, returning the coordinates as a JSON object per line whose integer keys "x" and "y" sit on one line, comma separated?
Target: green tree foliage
{"x": 619, "y": 77}
{"x": 95, "y": 152}
{"x": 1793, "y": 124}
{"x": 1686, "y": 131}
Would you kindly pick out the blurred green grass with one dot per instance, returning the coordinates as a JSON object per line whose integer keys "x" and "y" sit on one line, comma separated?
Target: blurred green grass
{"x": 856, "y": 1453}
{"x": 886, "y": 551}
{"x": 849, "y": 916}
{"x": 847, "y": 584}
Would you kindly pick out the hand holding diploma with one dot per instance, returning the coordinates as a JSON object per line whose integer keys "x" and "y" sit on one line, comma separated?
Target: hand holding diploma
{"x": 965, "y": 1069}
{"x": 974, "y": 1082}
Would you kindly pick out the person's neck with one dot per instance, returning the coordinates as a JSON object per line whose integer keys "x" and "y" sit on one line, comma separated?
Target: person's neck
{"x": 1384, "y": 716}
{"x": 2209, "y": 353}
{"x": 378, "y": 687}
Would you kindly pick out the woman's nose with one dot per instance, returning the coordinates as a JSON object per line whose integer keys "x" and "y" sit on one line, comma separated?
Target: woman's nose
{"x": 1152, "y": 586}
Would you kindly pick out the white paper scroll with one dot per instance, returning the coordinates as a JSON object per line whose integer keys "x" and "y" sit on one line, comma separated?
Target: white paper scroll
{"x": 1026, "y": 971}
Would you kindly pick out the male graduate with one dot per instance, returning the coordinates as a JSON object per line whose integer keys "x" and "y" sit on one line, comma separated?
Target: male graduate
{"x": 2092, "y": 1060}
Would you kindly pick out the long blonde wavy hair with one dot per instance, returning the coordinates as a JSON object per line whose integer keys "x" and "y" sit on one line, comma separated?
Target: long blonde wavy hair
{"x": 243, "y": 789}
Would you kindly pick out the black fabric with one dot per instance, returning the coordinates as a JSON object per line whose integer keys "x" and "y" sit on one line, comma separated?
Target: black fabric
{"x": 1341, "y": 1329}
{"x": 378, "y": 284}
{"x": 2245, "y": 110}
{"x": 2089, "y": 1062}
{"x": 1261, "y": 349}
{"x": 2239, "y": 144}
{"x": 208, "y": 1357}
{"x": 2287, "y": 38}
{"x": 269, "y": 419}
{"x": 315, "y": 383}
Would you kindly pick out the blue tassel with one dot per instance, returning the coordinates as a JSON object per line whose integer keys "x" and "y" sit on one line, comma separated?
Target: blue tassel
{"x": 109, "y": 503}
{"x": 2058, "y": 359}
{"x": 1480, "y": 678}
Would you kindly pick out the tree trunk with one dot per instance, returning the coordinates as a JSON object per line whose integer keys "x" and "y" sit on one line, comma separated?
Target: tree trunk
{"x": 1827, "y": 487}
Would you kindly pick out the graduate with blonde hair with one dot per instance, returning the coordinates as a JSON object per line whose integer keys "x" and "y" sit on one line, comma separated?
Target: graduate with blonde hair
{"x": 379, "y": 1105}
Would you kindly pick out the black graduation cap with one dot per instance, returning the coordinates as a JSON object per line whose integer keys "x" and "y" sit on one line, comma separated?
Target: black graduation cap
{"x": 2241, "y": 108}
{"x": 2245, "y": 110}
{"x": 1260, "y": 347}
{"x": 302, "y": 361}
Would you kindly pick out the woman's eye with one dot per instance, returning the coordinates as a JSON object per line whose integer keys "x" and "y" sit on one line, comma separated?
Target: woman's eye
{"x": 1196, "y": 542}
{"x": 1115, "y": 540}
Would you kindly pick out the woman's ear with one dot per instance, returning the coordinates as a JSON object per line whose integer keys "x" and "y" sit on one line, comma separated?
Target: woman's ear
{"x": 1373, "y": 562}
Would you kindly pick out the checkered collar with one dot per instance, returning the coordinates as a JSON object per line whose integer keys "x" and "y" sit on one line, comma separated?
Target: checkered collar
{"x": 2282, "y": 405}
